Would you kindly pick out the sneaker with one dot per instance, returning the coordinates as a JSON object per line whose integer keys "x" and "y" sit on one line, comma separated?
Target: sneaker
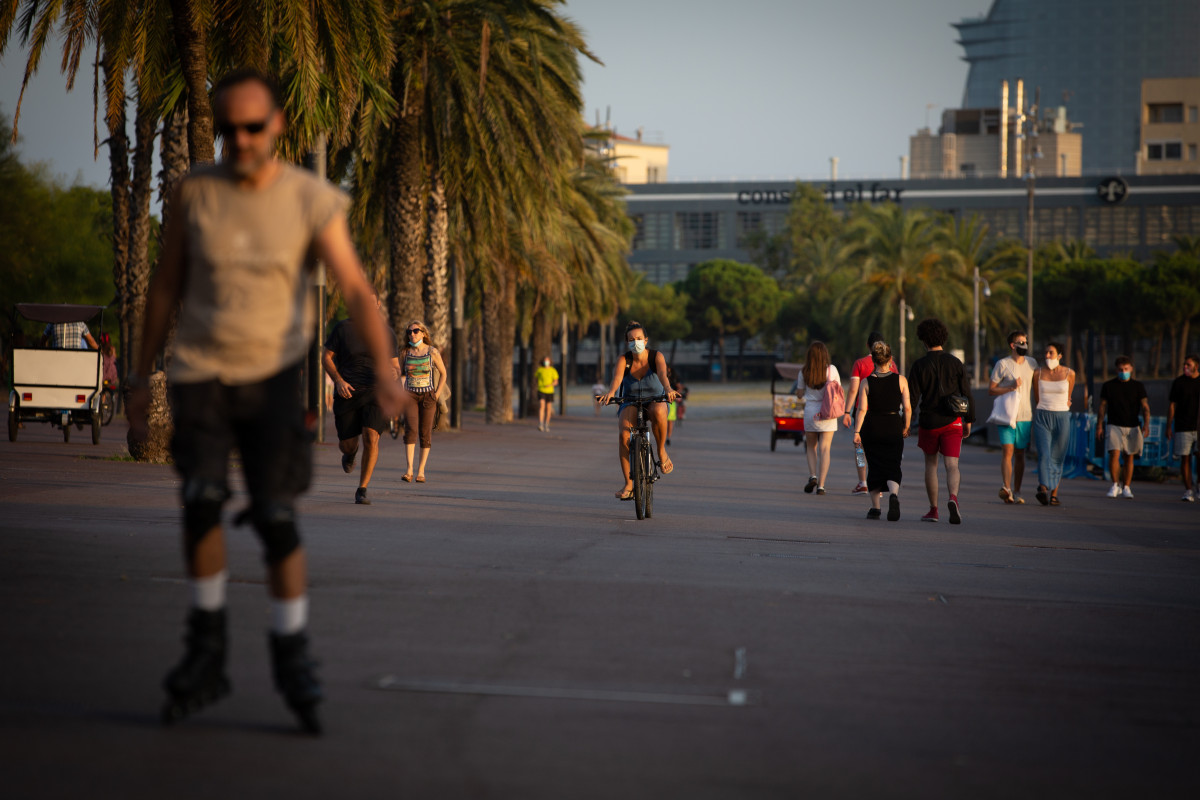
{"x": 1018, "y": 499}
{"x": 873, "y": 513}
{"x": 1127, "y": 493}
{"x": 955, "y": 517}
{"x": 860, "y": 489}
{"x": 812, "y": 484}
{"x": 1189, "y": 496}
{"x": 1115, "y": 491}
{"x": 1007, "y": 496}
{"x": 893, "y": 508}
{"x": 361, "y": 498}
{"x": 931, "y": 515}
{"x": 348, "y": 461}
{"x": 820, "y": 490}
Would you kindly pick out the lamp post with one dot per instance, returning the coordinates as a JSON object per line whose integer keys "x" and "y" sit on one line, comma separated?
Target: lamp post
{"x": 906, "y": 316}
{"x": 987, "y": 292}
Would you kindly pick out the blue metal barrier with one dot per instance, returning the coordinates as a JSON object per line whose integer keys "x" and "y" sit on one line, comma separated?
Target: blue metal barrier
{"x": 1157, "y": 450}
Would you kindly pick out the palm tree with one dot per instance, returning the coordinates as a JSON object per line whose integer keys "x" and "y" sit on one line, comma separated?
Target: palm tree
{"x": 902, "y": 256}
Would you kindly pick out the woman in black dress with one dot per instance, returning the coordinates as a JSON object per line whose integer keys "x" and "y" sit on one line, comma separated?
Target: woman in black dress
{"x": 884, "y": 414}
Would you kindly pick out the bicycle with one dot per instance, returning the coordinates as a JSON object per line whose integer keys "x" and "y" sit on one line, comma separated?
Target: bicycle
{"x": 643, "y": 468}
{"x": 108, "y": 402}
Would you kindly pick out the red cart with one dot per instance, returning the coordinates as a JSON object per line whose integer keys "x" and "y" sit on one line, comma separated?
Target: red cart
{"x": 787, "y": 410}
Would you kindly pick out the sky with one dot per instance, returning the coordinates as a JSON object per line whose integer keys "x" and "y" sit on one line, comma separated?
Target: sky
{"x": 739, "y": 89}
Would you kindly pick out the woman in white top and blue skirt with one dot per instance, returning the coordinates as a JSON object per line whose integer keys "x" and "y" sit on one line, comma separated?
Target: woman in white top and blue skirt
{"x": 1052, "y": 387}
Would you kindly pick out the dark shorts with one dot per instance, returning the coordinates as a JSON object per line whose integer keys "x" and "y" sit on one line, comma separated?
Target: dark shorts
{"x": 265, "y": 421}
{"x": 547, "y": 396}
{"x": 946, "y": 440}
{"x": 358, "y": 411}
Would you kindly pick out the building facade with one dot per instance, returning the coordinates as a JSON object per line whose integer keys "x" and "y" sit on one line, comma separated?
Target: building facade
{"x": 984, "y": 143}
{"x": 1170, "y": 126}
{"x": 1090, "y": 55}
{"x": 680, "y": 225}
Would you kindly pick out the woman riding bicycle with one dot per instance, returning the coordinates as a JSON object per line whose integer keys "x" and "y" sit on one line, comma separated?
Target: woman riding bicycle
{"x": 641, "y": 373}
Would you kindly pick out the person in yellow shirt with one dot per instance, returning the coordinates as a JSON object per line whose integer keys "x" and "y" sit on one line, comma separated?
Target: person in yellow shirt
{"x": 546, "y": 378}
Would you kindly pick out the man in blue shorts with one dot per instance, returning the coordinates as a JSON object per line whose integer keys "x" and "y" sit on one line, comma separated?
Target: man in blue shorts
{"x": 1014, "y": 374}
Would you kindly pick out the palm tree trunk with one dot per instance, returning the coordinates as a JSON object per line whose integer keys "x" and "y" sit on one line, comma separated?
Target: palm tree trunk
{"x": 118, "y": 169}
{"x": 499, "y": 330}
{"x": 437, "y": 273}
{"x": 437, "y": 286}
{"x": 137, "y": 275}
{"x": 403, "y": 219}
{"x": 1184, "y": 333}
{"x": 479, "y": 386}
{"x": 721, "y": 352}
{"x": 191, "y": 41}
{"x": 542, "y": 338}
{"x": 173, "y": 152}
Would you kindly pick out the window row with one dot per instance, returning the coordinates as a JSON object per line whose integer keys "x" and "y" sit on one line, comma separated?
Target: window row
{"x": 663, "y": 274}
{"x": 680, "y": 230}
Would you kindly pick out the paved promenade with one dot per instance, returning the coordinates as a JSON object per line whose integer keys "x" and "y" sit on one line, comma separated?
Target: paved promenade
{"x": 508, "y": 630}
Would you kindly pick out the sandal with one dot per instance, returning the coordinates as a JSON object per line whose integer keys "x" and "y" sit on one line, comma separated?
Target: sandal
{"x": 406, "y": 477}
{"x": 625, "y": 494}
{"x": 1006, "y": 495}
{"x": 1043, "y": 496}
{"x": 420, "y": 479}
{"x": 668, "y": 467}
{"x": 1054, "y": 501}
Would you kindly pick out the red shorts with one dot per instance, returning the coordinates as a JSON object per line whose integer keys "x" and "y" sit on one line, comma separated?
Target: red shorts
{"x": 946, "y": 440}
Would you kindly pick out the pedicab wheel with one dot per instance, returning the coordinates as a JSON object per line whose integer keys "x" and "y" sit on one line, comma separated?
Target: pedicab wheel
{"x": 773, "y": 437}
{"x": 95, "y": 429}
{"x": 66, "y": 433}
{"x": 14, "y": 422}
{"x": 637, "y": 466}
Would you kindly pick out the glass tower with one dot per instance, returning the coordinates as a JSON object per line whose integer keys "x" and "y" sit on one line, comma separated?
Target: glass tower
{"x": 1089, "y": 55}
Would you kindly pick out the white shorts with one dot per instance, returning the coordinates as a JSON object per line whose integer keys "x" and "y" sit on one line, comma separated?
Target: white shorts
{"x": 1185, "y": 443}
{"x": 1124, "y": 440}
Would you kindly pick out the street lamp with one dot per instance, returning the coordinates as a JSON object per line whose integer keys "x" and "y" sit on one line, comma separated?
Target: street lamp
{"x": 987, "y": 292}
{"x": 906, "y": 313}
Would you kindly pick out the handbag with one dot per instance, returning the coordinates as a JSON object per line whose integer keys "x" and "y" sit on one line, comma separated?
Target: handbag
{"x": 833, "y": 401}
{"x": 1005, "y": 409}
{"x": 958, "y": 405}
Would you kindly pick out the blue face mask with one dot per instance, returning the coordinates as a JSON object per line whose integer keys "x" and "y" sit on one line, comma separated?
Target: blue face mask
{"x": 1124, "y": 375}
{"x": 638, "y": 345}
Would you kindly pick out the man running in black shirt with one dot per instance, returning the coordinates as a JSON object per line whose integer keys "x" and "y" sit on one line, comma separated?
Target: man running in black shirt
{"x": 934, "y": 380}
{"x": 348, "y": 361}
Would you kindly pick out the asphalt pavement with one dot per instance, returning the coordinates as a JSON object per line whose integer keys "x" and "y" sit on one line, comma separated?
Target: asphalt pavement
{"x": 509, "y": 630}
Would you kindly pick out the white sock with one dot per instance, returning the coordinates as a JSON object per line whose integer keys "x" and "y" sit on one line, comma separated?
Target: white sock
{"x": 208, "y": 594}
{"x": 289, "y": 616}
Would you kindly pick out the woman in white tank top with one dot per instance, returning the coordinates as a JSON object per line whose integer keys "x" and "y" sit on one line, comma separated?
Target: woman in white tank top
{"x": 1052, "y": 388}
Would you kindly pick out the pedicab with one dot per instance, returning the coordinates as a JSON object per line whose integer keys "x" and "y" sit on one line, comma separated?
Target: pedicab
{"x": 787, "y": 409}
{"x": 60, "y": 386}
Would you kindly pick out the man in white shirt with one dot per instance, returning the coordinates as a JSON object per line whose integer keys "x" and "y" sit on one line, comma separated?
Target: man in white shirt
{"x": 1014, "y": 374}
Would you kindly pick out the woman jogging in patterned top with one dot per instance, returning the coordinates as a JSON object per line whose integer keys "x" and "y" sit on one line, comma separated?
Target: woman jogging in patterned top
{"x": 423, "y": 375}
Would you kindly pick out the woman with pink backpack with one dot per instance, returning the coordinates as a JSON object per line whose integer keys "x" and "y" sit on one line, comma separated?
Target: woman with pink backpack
{"x": 824, "y": 403}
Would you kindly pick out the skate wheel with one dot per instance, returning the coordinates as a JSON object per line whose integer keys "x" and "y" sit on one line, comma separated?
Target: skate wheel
{"x": 172, "y": 713}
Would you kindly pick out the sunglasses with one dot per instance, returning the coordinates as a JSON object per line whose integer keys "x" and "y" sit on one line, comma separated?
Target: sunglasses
{"x": 229, "y": 129}
{"x": 414, "y": 330}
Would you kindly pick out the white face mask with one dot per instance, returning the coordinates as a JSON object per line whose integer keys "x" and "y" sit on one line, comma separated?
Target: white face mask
{"x": 1052, "y": 363}
{"x": 638, "y": 345}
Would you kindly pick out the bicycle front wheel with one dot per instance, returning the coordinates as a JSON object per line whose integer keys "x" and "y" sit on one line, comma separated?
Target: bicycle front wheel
{"x": 637, "y": 473}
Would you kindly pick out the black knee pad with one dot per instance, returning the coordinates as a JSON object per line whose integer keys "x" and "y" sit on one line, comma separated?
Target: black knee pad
{"x": 276, "y": 526}
{"x": 202, "y": 502}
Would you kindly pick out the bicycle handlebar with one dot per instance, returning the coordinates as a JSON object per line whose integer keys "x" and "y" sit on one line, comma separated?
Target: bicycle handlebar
{"x": 636, "y": 401}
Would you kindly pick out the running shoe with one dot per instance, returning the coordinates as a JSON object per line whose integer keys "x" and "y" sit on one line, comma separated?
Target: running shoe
{"x": 931, "y": 515}
{"x": 1115, "y": 491}
{"x": 893, "y": 508}
{"x": 1189, "y": 496}
{"x": 873, "y": 513}
{"x": 860, "y": 489}
{"x": 812, "y": 484}
{"x": 955, "y": 517}
{"x": 1007, "y": 496}
{"x": 361, "y": 498}
{"x": 1127, "y": 493}
{"x": 820, "y": 490}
